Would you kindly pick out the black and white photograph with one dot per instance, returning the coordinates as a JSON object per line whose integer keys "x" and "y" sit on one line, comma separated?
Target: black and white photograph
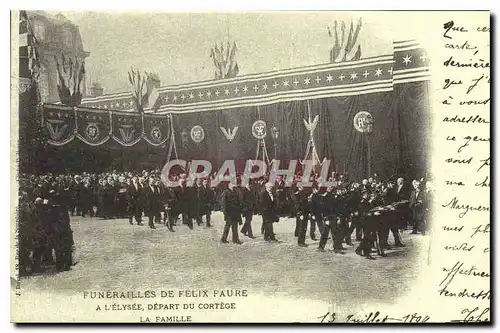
{"x": 250, "y": 167}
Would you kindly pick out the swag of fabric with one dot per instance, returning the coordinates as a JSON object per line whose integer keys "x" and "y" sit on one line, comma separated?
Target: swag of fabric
{"x": 62, "y": 124}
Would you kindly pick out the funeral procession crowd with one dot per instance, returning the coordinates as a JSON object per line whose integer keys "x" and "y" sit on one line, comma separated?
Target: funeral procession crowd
{"x": 371, "y": 209}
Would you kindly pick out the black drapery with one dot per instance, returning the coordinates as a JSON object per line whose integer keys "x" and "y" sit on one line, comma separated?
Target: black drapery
{"x": 398, "y": 141}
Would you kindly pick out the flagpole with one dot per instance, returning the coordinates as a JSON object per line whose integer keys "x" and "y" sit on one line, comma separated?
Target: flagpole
{"x": 369, "y": 153}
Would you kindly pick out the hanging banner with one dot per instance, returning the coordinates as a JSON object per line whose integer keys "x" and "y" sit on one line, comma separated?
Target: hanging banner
{"x": 59, "y": 123}
{"x": 126, "y": 127}
{"x": 93, "y": 127}
{"x": 156, "y": 129}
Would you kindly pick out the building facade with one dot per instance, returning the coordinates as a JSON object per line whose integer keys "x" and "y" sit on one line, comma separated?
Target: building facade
{"x": 55, "y": 36}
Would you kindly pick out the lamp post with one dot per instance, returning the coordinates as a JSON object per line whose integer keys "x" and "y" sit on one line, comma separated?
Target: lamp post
{"x": 275, "y": 133}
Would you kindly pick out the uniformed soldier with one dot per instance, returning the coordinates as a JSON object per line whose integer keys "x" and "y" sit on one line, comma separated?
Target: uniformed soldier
{"x": 331, "y": 211}
{"x": 302, "y": 202}
{"x": 373, "y": 224}
{"x": 365, "y": 246}
{"x": 344, "y": 215}
{"x": 316, "y": 213}
{"x": 353, "y": 206}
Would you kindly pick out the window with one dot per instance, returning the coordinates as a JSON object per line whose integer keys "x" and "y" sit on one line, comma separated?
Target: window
{"x": 39, "y": 31}
{"x": 68, "y": 37}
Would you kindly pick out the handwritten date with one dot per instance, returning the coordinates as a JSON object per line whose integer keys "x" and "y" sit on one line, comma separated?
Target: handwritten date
{"x": 374, "y": 318}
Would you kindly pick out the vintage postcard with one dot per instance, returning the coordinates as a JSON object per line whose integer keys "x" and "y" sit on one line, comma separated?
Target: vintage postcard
{"x": 260, "y": 167}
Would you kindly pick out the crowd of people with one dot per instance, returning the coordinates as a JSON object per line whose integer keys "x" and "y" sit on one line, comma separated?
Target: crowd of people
{"x": 371, "y": 209}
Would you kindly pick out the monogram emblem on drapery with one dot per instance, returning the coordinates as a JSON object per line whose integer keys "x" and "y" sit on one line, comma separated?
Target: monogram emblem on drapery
{"x": 127, "y": 133}
{"x": 56, "y": 131}
{"x": 92, "y": 131}
{"x": 197, "y": 134}
{"x": 156, "y": 133}
{"x": 259, "y": 129}
{"x": 363, "y": 121}
{"x": 228, "y": 133}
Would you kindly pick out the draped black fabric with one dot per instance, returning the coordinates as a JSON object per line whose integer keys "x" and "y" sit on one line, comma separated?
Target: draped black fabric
{"x": 398, "y": 142}
{"x": 412, "y": 105}
{"x": 195, "y": 135}
{"x": 351, "y": 146}
{"x": 234, "y": 136}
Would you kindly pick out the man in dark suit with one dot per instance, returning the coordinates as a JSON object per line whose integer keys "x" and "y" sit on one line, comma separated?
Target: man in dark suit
{"x": 427, "y": 206}
{"x": 269, "y": 211}
{"x": 77, "y": 190}
{"x": 184, "y": 203}
{"x": 402, "y": 190}
{"x": 160, "y": 200}
{"x": 231, "y": 208}
{"x": 151, "y": 202}
{"x": 316, "y": 213}
{"x": 122, "y": 198}
{"x": 393, "y": 216}
{"x": 365, "y": 186}
{"x": 170, "y": 207}
{"x": 205, "y": 198}
{"x": 281, "y": 196}
{"x": 247, "y": 198}
{"x": 333, "y": 226}
{"x": 302, "y": 209}
{"x": 134, "y": 201}
{"x": 415, "y": 205}
{"x": 106, "y": 199}
{"x": 401, "y": 193}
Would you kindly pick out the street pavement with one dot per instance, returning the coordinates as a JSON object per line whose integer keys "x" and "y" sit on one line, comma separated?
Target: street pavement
{"x": 114, "y": 255}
